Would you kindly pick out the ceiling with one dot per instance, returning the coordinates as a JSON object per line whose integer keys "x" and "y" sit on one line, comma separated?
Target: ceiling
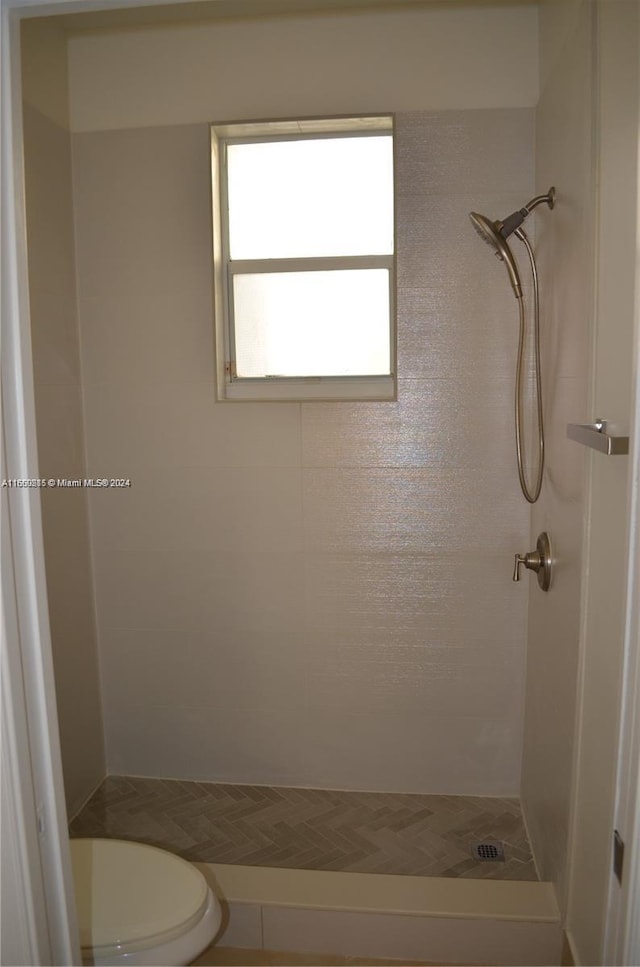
{"x": 199, "y": 10}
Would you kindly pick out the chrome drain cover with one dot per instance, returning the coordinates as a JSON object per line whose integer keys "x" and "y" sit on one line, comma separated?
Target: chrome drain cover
{"x": 488, "y": 852}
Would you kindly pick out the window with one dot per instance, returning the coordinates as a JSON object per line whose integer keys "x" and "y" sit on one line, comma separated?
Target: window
{"x": 304, "y": 259}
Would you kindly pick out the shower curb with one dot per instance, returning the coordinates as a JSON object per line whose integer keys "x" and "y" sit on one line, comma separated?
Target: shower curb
{"x": 378, "y": 915}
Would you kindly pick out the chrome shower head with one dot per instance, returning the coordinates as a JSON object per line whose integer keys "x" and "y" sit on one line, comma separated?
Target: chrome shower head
{"x": 490, "y": 232}
{"x": 496, "y": 234}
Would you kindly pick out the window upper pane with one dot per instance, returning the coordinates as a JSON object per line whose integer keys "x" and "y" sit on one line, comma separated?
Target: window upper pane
{"x": 311, "y": 197}
{"x": 333, "y": 323}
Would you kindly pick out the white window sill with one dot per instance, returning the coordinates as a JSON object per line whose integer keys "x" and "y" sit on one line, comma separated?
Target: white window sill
{"x": 330, "y": 388}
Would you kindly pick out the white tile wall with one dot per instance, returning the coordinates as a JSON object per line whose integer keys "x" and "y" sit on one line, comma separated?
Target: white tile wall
{"x": 199, "y": 590}
{"x": 59, "y": 423}
{"x": 565, "y": 260}
{"x": 179, "y": 425}
{"x": 431, "y": 425}
{"x": 417, "y": 511}
{"x": 175, "y": 509}
{"x": 236, "y": 669}
{"x": 266, "y": 746}
{"x": 319, "y": 593}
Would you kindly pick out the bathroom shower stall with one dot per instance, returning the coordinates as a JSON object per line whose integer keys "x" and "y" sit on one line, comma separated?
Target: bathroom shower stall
{"x": 291, "y": 639}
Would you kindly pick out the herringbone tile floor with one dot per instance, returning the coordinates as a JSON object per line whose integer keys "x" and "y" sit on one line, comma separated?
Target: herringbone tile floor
{"x": 315, "y": 829}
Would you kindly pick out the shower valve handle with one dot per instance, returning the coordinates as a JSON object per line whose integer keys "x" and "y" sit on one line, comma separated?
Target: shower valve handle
{"x": 530, "y": 561}
{"x": 538, "y": 561}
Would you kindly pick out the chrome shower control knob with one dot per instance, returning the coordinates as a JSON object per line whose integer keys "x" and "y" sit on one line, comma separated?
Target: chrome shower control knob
{"x": 519, "y": 559}
{"x": 538, "y": 561}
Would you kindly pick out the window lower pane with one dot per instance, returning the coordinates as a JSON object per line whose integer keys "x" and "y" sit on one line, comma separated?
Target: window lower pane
{"x": 325, "y": 323}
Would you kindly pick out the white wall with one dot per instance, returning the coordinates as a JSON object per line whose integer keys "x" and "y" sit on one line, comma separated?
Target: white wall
{"x": 291, "y": 593}
{"x": 59, "y": 411}
{"x": 606, "y": 574}
{"x": 587, "y": 146}
{"x": 564, "y": 158}
{"x": 45, "y": 75}
{"x": 445, "y": 56}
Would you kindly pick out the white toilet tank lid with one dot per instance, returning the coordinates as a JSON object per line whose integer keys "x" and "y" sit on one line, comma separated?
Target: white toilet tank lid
{"x": 132, "y": 895}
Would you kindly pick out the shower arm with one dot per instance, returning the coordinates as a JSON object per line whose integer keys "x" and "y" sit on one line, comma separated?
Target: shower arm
{"x": 549, "y": 198}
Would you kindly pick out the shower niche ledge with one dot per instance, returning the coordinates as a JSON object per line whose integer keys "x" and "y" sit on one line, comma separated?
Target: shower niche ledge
{"x": 598, "y": 437}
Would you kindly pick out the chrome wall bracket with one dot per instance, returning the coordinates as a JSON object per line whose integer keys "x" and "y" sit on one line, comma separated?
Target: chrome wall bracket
{"x": 538, "y": 561}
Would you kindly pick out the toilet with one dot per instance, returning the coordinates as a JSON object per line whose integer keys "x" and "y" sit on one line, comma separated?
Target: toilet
{"x": 140, "y": 905}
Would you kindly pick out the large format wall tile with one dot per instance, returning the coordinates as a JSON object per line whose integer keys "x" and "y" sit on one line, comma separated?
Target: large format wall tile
{"x": 160, "y": 332}
{"x": 460, "y": 328}
{"x": 390, "y": 604}
{"x": 236, "y": 669}
{"x": 181, "y": 426}
{"x": 196, "y": 742}
{"x": 236, "y": 509}
{"x": 418, "y": 752}
{"x": 340, "y": 573}
{"x": 430, "y": 425}
{"x": 415, "y": 510}
{"x": 198, "y": 590}
{"x": 447, "y": 152}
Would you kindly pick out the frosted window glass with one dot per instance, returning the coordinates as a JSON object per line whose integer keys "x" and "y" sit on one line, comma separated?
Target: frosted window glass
{"x": 312, "y": 323}
{"x": 308, "y": 198}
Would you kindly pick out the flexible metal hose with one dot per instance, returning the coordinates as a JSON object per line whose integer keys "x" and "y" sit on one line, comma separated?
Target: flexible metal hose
{"x": 531, "y": 496}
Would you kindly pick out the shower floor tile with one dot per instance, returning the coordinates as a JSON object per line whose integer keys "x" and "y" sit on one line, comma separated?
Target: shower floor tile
{"x": 311, "y": 829}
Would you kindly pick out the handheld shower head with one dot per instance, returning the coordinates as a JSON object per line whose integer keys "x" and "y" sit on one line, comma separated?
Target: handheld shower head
{"x": 496, "y": 234}
{"x": 490, "y": 233}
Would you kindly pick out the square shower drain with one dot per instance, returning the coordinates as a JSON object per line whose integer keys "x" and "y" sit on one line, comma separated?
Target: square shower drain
{"x": 488, "y": 852}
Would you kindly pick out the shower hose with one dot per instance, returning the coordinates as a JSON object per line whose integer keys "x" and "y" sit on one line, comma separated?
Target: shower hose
{"x": 530, "y": 495}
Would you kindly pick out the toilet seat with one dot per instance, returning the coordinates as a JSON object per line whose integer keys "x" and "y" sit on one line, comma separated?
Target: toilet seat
{"x": 136, "y": 902}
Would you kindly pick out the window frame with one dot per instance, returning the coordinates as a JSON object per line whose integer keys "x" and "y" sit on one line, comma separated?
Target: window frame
{"x": 229, "y": 385}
